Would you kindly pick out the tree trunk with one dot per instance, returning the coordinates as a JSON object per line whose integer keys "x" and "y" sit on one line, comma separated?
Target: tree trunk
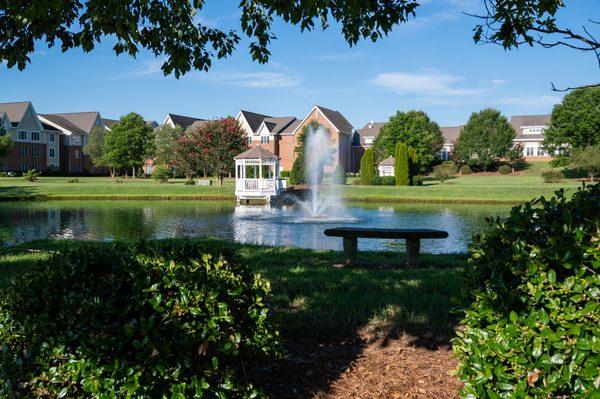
{"x": 133, "y": 172}
{"x": 591, "y": 177}
{"x": 220, "y": 180}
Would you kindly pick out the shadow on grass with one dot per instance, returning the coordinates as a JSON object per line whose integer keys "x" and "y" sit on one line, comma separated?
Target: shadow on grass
{"x": 18, "y": 192}
{"x": 328, "y": 314}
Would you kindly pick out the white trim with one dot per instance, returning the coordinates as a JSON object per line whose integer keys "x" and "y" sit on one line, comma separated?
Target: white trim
{"x": 168, "y": 121}
{"x": 35, "y": 116}
{"x": 56, "y": 125}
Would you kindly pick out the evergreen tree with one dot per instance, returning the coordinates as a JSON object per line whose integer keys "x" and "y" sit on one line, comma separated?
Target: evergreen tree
{"x": 367, "y": 167}
{"x": 401, "y": 165}
{"x": 413, "y": 164}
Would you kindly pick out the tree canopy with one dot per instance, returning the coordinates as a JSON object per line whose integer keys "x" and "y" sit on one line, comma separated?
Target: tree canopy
{"x": 415, "y": 129}
{"x": 95, "y": 146}
{"x": 128, "y": 144}
{"x": 487, "y": 137}
{"x": 575, "y": 123}
{"x": 5, "y": 142}
{"x": 165, "y": 138}
{"x": 588, "y": 159}
{"x": 172, "y": 30}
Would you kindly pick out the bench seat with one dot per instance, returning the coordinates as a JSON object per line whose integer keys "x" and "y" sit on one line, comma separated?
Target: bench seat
{"x": 413, "y": 238}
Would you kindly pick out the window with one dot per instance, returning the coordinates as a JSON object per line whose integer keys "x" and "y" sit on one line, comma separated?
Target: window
{"x": 529, "y": 151}
{"x": 249, "y": 140}
{"x": 369, "y": 139}
{"x": 23, "y": 167}
{"x": 540, "y": 152}
{"x": 51, "y": 153}
{"x": 76, "y": 154}
{"x": 35, "y": 136}
{"x": 51, "y": 138}
{"x": 444, "y": 155}
{"x": 35, "y": 166}
{"x": 264, "y": 139}
{"x": 23, "y": 151}
{"x": 77, "y": 168}
{"x": 35, "y": 151}
{"x": 22, "y": 134}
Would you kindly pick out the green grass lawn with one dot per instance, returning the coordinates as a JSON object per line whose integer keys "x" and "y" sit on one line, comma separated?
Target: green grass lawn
{"x": 312, "y": 296}
{"x": 490, "y": 188}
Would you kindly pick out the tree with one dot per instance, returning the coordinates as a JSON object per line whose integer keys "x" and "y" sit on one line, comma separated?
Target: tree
{"x": 485, "y": 139}
{"x": 5, "y": 143}
{"x": 189, "y": 155}
{"x": 413, "y": 164}
{"x": 367, "y": 167}
{"x": 95, "y": 146}
{"x": 512, "y": 23}
{"x": 165, "y": 138}
{"x": 219, "y": 141}
{"x": 415, "y": 129}
{"x": 401, "y": 165}
{"x": 588, "y": 159}
{"x": 169, "y": 29}
{"x": 444, "y": 171}
{"x": 575, "y": 124}
{"x": 514, "y": 157}
{"x": 128, "y": 144}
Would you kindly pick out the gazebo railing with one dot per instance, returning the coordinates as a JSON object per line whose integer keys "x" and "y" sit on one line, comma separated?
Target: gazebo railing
{"x": 259, "y": 184}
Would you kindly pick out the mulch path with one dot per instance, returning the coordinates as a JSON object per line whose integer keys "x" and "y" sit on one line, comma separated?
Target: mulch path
{"x": 363, "y": 367}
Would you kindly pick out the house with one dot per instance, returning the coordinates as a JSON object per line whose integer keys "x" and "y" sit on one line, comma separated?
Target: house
{"x": 363, "y": 138}
{"x": 530, "y": 134}
{"x": 341, "y": 134}
{"x": 75, "y": 128}
{"x": 36, "y": 145}
{"x": 450, "y": 135}
{"x": 180, "y": 120}
{"x": 386, "y": 167}
{"x": 275, "y": 134}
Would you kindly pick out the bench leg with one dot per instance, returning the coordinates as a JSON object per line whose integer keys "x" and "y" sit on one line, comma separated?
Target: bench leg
{"x": 350, "y": 250}
{"x": 413, "y": 246}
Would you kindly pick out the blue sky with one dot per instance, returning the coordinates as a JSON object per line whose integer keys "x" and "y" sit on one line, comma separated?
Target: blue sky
{"x": 431, "y": 64}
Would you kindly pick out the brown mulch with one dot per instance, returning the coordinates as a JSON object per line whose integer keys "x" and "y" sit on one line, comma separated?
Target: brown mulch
{"x": 363, "y": 367}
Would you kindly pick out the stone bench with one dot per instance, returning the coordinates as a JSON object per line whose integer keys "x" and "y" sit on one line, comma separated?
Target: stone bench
{"x": 412, "y": 236}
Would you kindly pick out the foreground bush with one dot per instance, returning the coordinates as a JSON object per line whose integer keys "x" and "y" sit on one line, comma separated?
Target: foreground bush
{"x": 552, "y": 176}
{"x": 532, "y": 323}
{"x": 444, "y": 171}
{"x": 155, "y": 321}
{"x": 31, "y": 175}
{"x": 162, "y": 173}
{"x": 505, "y": 170}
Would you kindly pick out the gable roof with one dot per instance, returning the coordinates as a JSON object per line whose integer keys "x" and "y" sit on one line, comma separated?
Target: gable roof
{"x": 254, "y": 119}
{"x": 109, "y": 122}
{"x": 389, "y": 161}
{"x": 371, "y": 129}
{"x": 4, "y": 121}
{"x": 278, "y": 125}
{"x": 49, "y": 127}
{"x": 257, "y": 152}
{"x": 62, "y": 123}
{"x": 15, "y": 110}
{"x": 183, "y": 121}
{"x": 520, "y": 121}
{"x": 291, "y": 128}
{"x": 451, "y": 133}
{"x": 197, "y": 124}
{"x": 84, "y": 121}
{"x": 337, "y": 119}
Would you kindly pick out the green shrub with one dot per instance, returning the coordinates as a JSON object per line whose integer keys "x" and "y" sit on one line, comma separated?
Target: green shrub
{"x": 532, "y": 319}
{"x": 367, "y": 167}
{"x": 74, "y": 180}
{"x": 168, "y": 320}
{"x": 444, "y": 171}
{"x": 418, "y": 180}
{"x": 505, "y": 170}
{"x": 189, "y": 182}
{"x": 401, "y": 165}
{"x": 31, "y": 175}
{"x": 552, "y": 176}
{"x": 466, "y": 170}
{"x": 162, "y": 173}
{"x": 387, "y": 181}
{"x": 284, "y": 174}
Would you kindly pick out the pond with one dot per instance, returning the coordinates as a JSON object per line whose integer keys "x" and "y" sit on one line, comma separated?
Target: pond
{"x": 276, "y": 226}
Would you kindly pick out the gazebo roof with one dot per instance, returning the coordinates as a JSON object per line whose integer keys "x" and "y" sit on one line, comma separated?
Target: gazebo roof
{"x": 257, "y": 153}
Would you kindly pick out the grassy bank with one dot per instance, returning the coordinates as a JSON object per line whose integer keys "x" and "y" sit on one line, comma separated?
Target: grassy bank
{"x": 311, "y": 295}
{"x": 477, "y": 188}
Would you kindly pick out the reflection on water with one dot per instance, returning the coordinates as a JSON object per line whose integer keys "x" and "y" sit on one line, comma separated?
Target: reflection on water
{"x": 285, "y": 226}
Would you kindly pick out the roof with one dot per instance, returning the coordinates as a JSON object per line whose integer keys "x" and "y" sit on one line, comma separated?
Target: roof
{"x": 63, "y": 123}
{"x": 338, "y": 120}
{"x": 291, "y": 128}
{"x": 197, "y": 124}
{"x": 254, "y": 119}
{"x": 450, "y": 133}
{"x": 277, "y": 125}
{"x": 370, "y": 129}
{"x": 389, "y": 161}
{"x": 109, "y": 122}
{"x": 256, "y": 153}
{"x": 520, "y": 121}
{"x": 84, "y": 121}
{"x": 15, "y": 110}
{"x": 183, "y": 121}
{"x": 49, "y": 127}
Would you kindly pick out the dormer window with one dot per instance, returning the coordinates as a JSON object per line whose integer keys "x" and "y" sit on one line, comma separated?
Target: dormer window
{"x": 22, "y": 134}
{"x": 369, "y": 139}
{"x": 35, "y": 136}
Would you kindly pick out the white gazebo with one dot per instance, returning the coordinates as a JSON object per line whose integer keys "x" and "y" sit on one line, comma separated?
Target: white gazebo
{"x": 257, "y": 175}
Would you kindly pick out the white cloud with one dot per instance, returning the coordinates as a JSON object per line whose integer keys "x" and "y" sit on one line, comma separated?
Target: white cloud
{"x": 274, "y": 75}
{"x": 429, "y": 83}
{"x": 339, "y": 56}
